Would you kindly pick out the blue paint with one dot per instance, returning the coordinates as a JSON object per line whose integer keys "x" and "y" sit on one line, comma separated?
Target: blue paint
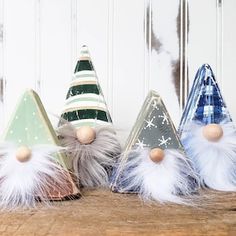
{"x": 205, "y": 102}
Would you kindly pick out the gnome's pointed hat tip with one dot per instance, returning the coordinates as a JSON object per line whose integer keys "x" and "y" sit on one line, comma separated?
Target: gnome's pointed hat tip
{"x": 84, "y": 61}
{"x": 205, "y": 103}
{"x": 206, "y": 67}
{"x": 84, "y": 53}
{"x": 28, "y": 90}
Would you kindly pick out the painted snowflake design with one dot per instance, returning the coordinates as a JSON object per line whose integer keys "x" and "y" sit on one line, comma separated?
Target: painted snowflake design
{"x": 140, "y": 144}
{"x": 164, "y": 141}
{"x": 150, "y": 123}
{"x": 154, "y": 105}
{"x": 164, "y": 118}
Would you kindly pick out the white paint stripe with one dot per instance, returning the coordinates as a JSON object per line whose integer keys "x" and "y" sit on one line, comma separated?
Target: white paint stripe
{"x": 79, "y": 123}
{"x": 81, "y": 76}
{"x": 84, "y": 49}
{"x": 84, "y": 55}
{"x": 84, "y": 77}
{"x": 85, "y": 80}
{"x": 85, "y": 72}
{"x": 85, "y": 105}
{"x": 87, "y": 96}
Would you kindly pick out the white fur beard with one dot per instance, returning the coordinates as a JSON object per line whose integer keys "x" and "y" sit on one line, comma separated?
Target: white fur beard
{"x": 92, "y": 163}
{"x": 22, "y": 184}
{"x": 167, "y": 181}
{"x": 215, "y": 162}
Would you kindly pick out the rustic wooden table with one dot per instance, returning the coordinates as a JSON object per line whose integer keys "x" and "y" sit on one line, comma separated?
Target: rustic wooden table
{"x": 100, "y": 212}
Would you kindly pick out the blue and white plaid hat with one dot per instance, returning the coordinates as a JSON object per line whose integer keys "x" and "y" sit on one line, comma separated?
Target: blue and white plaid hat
{"x": 205, "y": 102}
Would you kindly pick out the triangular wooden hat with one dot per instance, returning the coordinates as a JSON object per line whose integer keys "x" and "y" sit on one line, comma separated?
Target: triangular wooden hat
{"x": 30, "y": 127}
{"x": 208, "y": 133}
{"x": 205, "y": 103}
{"x": 153, "y": 141}
{"x": 85, "y": 103}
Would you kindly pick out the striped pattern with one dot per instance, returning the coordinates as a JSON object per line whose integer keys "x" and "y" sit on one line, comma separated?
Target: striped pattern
{"x": 205, "y": 102}
{"x": 81, "y": 105}
{"x": 85, "y": 104}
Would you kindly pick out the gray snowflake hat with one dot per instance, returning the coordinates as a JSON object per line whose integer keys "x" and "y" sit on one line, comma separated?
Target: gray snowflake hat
{"x": 153, "y": 163}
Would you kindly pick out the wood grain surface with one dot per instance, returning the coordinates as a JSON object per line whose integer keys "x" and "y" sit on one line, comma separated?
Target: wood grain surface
{"x": 100, "y": 212}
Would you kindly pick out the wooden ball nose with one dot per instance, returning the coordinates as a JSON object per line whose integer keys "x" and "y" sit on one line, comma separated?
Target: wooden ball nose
{"x": 86, "y": 135}
{"x": 23, "y": 154}
{"x": 157, "y": 155}
{"x": 212, "y": 132}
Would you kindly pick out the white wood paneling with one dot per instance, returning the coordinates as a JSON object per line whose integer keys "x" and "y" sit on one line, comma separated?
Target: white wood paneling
{"x": 19, "y": 50}
{"x": 202, "y": 43}
{"x": 229, "y": 54}
{"x": 92, "y": 30}
{"x": 55, "y": 53}
{"x": 212, "y": 40}
{"x": 165, "y": 53}
{"x": 1, "y": 68}
{"x": 128, "y": 62}
{"x": 136, "y": 45}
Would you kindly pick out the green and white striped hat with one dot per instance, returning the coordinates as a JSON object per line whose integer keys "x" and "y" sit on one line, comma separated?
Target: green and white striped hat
{"x": 85, "y": 103}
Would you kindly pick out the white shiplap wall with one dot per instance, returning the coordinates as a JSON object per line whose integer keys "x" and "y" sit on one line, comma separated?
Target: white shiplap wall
{"x": 136, "y": 45}
{"x": 212, "y": 38}
{"x": 1, "y": 64}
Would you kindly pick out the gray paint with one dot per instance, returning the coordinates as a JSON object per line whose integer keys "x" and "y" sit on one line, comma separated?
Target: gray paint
{"x": 154, "y": 127}
{"x": 152, "y": 109}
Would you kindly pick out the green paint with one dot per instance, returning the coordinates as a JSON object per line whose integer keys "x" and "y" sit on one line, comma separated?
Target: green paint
{"x": 83, "y": 65}
{"x": 30, "y": 125}
{"x": 86, "y": 114}
{"x": 83, "y": 89}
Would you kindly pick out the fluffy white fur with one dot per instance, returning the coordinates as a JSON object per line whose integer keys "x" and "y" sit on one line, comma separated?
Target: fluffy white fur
{"x": 23, "y": 184}
{"x": 214, "y": 161}
{"x": 92, "y": 163}
{"x": 167, "y": 181}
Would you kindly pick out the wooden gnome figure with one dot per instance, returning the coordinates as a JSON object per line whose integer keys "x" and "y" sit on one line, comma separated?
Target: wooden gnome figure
{"x": 32, "y": 166}
{"x": 208, "y": 133}
{"x": 86, "y": 127}
{"x": 154, "y": 164}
